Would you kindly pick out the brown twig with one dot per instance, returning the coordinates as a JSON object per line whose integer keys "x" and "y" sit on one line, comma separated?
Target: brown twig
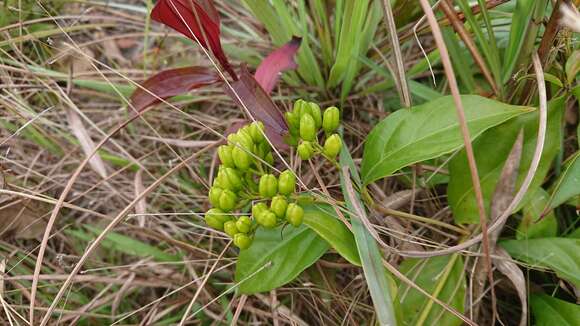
{"x": 445, "y": 59}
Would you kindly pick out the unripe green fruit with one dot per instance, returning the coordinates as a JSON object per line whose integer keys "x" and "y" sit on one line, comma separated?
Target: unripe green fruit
{"x": 230, "y": 228}
{"x": 269, "y": 158}
{"x": 231, "y": 178}
{"x": 257, "y": 131}
{"x": 258, "y": 209}
{"x": 286, "y": 182}
{"x": 242, "y": 159}
{"x": 228, "y": 200}
{"x": 244, "y": 224}
{"x": 242, "y": 241}
{"x": 214, "y": 196}
{"x": 225, "y": 155}
{"x": 241, "y": 139}
{"x": 298, "y": 105}
{"x": 215, "y": 218}
{"x": 316, "y": 114}
{"x": 331, "y": 119}
{"x": 278, "y": 206}
{"x": 268, "y": 186}
{"x": 294, "y": 214}
{"x": 305, "y": 150}
{"x": 267, "y": 219}
{"x": 293, "y": 120}
{"x": 307, "y": 128}
{"x": 332, "y": 145}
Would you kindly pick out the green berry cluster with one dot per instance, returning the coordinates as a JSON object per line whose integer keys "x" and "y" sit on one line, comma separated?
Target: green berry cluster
{"x": 305, "y": 121}
{"x": 243, "y": 178}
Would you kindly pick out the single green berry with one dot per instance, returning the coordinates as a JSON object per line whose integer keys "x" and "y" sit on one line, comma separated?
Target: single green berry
{"x": 298, "y": 105}
{"x": 316, "y": 114}
{"x": 293, "y": 120}
{"x": 244, "y": 224}
{"x": 258, "y": 208}
{"x": 225, "y": 155}
{"x": 257, "y": 131}
{"x": 242, "y": 159}
{"x": 269, "y": 158}
{"x": 232, "y": 179}
{"x": 216, "y": 218}
{"x": 268, "y": 186}
{"x": 278, "y": 206}
{"x": 228, "y": 200}
{"x": 267, "y": 219}
{"x": 305, "y": 150}
{"x": 214, "y": 196}
{"x": 332, "y": 145}
{"x": 307, "y": 128}
{"x": 331, "y": 119}
{"x": 230, "y": 228}
{"x": 241, "y": 139}
{"x": 286, "y": 182}
{"x": 242, "y": 241}
{"x": 294, "y": 214}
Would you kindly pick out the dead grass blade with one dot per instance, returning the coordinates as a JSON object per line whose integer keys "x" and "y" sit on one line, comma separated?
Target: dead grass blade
{"x": 88, "y": 146}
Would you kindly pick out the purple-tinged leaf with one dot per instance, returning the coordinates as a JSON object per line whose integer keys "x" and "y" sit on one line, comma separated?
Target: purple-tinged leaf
{"x": 169, "y": 83}
{"x": 199, "y": 17}
{"x": 260, "y": 106}
{"x": 280, "y": 60}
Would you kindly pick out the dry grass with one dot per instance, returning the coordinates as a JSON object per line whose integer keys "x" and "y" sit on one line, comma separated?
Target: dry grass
{"x": 64, "y": 91}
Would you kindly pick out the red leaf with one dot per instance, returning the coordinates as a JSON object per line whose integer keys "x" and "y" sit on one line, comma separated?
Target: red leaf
{"x": 171, "y": 82}
{"x": 260, "y": 106}
{"x": 194, "y": 16}
{"x": 282, "y": 59}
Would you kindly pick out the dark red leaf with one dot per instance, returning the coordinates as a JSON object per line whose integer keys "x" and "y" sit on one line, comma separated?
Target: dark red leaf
{"x": 260, "y": 106}
{"x": 170, "y": 83}
{"x": 196, "y": 19}
{"x": 280, "y": 60}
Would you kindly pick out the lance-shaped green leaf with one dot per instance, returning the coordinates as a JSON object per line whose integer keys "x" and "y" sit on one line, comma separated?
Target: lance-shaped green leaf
{"x": 568, "y": 183}
{"x": 427, "y": 131}
{"x": 549, "y": 311}
{"x": 322, "y": 219}
{"x": 276, "y": 257}
{"x": 561, "y": 255}
{"x": 491, "y": 150}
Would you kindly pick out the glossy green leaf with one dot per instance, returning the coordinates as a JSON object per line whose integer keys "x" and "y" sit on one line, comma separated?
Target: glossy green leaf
{"x": 443, "y": 278}
{"x": 322, "y": 219}
{"x": 276, "y": 257}
{"x": 460, "y": 190}
{"x": 568, "y": 183}
{"x": 549, "y": 311}
{"x": 533, "y": 224}
{"x": 561, "y": 255}
{"x": 376, "y": 276}
{"x": 427, "y": 131}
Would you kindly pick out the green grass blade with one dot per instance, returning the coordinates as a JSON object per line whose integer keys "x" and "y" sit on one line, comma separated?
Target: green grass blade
{"x": 376, "y": 276}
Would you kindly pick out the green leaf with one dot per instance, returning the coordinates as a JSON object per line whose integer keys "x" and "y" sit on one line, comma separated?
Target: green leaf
{"x": 427, "y": 131}
{"x": 573, "y": 66}
{"x": 533, "y": 224}
{"x": 568, "y": 183}
{"x": 440, "y": 276}
{"x": 276, "y": 257}
{"x": 349, "y": 40}
{"x": 561, "y": 255}
{"x": 376, "y": 276}
{"x": 523, "y": 33}
{"x": 460, "y": 190}
{"x": 126, "y": 245}
{"x": 550, "y": 311}
{"x": 322, "y": 219}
